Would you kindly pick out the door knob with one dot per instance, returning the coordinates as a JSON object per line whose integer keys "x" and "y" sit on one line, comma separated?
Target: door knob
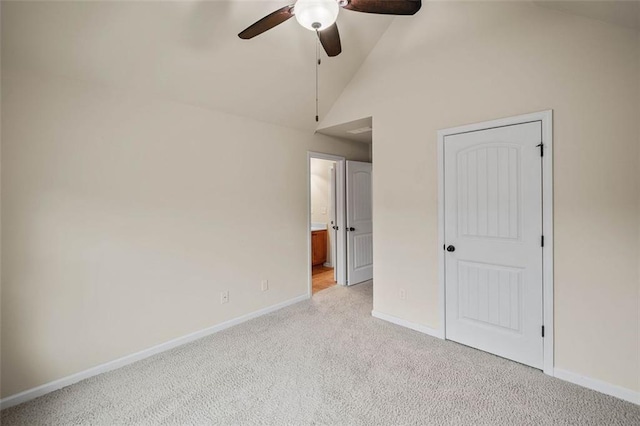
{"x": 451, "y": 248}
{"x": 351, "y": 229}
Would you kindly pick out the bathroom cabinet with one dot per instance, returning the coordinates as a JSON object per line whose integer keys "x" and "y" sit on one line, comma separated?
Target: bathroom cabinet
{"x": 318, "y": 247}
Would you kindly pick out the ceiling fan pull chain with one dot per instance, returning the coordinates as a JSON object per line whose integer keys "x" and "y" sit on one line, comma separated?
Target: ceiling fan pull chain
{"x": 317, "y": 65}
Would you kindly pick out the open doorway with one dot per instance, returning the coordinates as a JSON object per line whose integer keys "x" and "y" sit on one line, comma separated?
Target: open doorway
{"x": 326, "y": 221}
{"x": 340, "y": 210}
{"x": 340, "y": 222}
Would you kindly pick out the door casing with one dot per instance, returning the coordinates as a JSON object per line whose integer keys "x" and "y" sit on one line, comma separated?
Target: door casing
{"x": 546, "y": 119}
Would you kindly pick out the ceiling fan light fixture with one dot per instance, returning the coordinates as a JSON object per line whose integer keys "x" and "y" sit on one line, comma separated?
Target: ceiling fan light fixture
{"x": 316, "y": 14}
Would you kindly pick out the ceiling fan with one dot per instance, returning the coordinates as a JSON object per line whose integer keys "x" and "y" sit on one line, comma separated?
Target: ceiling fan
{"x": 320, "y": 16}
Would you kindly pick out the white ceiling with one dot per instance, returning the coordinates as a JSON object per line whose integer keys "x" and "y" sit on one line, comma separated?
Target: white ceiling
{"x": 188, "y": 51}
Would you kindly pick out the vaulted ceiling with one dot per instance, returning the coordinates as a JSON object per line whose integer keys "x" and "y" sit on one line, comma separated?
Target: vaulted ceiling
{"x": 189, "y": 51}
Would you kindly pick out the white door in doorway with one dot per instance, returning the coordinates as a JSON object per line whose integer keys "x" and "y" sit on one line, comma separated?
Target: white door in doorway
{"x": 333, "y": 227}
{"x": 493, "y": 241}
{"x": 359, "y": 223}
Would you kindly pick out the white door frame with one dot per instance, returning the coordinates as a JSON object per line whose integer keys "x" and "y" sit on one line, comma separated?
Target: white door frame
{"x": 339, "y": 263}
{"x": 546, "y": 118}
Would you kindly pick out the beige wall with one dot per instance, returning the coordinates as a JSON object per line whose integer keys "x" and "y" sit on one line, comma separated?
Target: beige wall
{"x": 124, "y": 217}
{"x": 459, "y": 63}
{"x": 320, "y": 171}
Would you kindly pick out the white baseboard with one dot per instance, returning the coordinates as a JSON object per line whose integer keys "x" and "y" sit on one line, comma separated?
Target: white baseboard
{"x": 29, "y": 394}
{"x": 598, "y": 385}
{"x": 587, "y": 382}
{"x": 408, "y": 324}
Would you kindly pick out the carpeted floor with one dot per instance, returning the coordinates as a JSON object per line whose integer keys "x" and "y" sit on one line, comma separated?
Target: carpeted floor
{"x": 324, "y": 361}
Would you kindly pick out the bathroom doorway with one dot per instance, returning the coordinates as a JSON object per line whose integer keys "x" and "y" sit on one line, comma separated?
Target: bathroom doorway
{"x": 326, "y": 219}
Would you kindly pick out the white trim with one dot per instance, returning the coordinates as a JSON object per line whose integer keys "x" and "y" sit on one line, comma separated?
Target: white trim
{"x": 32, "y": 393}
{"x": 441, "y": 258}
{"x": 408, "y": 324}
{"x": 547, "y": 231}
{"x": 340, "y": 261}
{"x": 598, "y": 385}
{"x": 546, "y": 117}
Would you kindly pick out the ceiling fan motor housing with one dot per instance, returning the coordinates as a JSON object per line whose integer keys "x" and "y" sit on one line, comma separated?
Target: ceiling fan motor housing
{"x": 316, "y": 15}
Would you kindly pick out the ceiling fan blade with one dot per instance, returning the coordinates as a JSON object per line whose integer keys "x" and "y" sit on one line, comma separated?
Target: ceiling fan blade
{"x": 330, "y": 40}
{"x": 268, "y": 22}
{"x": 385, "y": 7}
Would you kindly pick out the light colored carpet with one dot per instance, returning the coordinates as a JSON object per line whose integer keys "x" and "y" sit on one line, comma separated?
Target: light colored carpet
{"x": 324, "y": 361}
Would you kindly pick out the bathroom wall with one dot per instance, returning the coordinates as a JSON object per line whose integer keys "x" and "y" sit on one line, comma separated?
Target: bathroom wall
{"x": 320, "y": 193}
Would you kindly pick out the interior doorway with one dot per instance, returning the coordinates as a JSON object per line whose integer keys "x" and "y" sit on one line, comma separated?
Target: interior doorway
{"x": 340, "y": 222}
{"x": 348, "y": 214}
{"x": 323, "y": 223}
{"x": 326, "y": 221}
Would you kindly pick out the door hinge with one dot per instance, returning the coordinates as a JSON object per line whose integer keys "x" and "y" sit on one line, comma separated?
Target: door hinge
{"x": 542, "y": 241}
{"x": 543, "y": 331}
{"x": 541, "y": 146}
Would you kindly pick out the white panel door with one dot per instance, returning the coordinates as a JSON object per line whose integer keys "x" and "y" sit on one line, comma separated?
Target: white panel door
{"x": 359, "y": 223}
{"x": 493, "y": 232}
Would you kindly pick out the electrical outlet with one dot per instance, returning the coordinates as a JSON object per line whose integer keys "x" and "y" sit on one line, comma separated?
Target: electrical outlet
{"x": 403, "y": 294}
{"x": 264, "y": 285}
{"x": 224, "y": 297}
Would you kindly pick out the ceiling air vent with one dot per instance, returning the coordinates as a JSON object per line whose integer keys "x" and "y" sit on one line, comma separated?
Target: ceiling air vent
{"x": 360, "y": 130}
